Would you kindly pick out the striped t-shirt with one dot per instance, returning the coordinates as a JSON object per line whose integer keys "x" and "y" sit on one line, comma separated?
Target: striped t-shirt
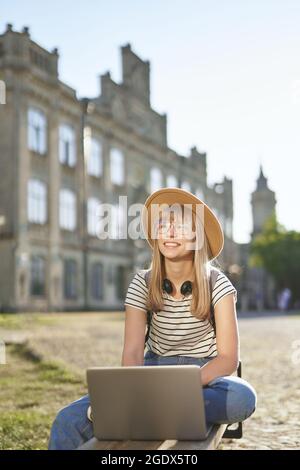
{"x": 174, "y": 330}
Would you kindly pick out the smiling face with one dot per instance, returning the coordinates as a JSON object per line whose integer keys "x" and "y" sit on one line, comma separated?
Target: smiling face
{"x": 175, "y": 234}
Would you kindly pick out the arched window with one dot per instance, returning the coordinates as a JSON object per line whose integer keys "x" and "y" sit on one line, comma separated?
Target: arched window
{"x": 67, "y": 145}
{"x": 70, "y": 278}
{"x": 117, "y": 166}
{"x": 37, "y": 130}
{"x": 37, "y": 275}
{"x": 97, "y": 281}
{"x": 94, "y": 158}
{"x": 156, "y": 179}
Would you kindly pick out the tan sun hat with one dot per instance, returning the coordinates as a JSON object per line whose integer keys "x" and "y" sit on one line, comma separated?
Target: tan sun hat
{"x": 212, "y": 226}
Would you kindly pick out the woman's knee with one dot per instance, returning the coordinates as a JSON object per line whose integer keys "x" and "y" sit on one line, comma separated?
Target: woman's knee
{"x": 242, "y": 400}
{"x": 74, "y": 413}
{"x": 71, "y": 426}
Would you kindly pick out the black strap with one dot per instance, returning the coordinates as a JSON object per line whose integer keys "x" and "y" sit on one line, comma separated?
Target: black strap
{"x": 212, "y": 312}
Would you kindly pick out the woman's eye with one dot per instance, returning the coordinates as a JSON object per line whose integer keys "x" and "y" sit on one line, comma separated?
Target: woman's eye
{"x": 162, "y": 223}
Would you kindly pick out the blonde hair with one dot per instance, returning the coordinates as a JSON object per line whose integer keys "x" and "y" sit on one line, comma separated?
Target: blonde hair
{"x": 201, "y": 295}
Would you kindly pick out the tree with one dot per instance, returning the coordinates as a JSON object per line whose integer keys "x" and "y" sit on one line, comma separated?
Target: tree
{"x": 277, "y": 250}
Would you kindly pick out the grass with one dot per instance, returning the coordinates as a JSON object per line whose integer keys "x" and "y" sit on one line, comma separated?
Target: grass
{"x": 20, "y": 321}
{"x": 31, "y": 392}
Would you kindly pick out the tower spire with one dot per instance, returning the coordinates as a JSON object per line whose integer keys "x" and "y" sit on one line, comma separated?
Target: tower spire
{"x": 261, "y": 182}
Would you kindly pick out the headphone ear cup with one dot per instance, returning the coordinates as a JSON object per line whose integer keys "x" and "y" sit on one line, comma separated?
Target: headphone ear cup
{"x": 186, "y": 288}
{"x": 167, "y": 286}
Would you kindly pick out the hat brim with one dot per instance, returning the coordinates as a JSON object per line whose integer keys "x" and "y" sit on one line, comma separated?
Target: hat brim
{"x": 212, "y": 226}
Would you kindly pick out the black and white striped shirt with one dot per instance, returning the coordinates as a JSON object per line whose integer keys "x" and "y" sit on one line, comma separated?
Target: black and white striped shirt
{"x": 174, "y": 330}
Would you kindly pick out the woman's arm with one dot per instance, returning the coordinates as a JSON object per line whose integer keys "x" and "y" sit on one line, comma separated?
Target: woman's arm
{"x": 227, "y": 337}
{"x": 134, "y": 336}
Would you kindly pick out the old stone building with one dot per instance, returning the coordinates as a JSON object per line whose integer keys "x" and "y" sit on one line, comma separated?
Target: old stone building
{"x": 62, "y": 157}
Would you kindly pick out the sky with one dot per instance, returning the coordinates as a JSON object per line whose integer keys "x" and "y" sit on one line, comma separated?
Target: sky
{"x": 226, "y": 73}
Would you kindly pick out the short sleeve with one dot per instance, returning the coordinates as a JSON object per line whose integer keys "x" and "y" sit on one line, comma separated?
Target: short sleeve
{"x": 137, "y": 292}
{"x": 223, "y": 286}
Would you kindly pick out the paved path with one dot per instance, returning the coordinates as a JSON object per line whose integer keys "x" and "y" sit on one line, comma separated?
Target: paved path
{"x": 270, "y": 352}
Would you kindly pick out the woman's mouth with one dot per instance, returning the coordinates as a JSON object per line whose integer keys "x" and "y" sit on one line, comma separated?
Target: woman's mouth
{"x": 171, "y": 244}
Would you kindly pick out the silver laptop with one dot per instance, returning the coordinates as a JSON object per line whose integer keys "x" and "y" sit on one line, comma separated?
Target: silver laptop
{"x": 147, "y": 402}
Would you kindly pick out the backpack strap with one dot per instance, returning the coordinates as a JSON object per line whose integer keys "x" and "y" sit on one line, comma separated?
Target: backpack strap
{"x": 212, "y": 280}
{"x": 149, "y": 312}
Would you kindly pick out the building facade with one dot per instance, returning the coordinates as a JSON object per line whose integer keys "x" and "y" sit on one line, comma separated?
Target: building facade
{"x": 61, "y": 158}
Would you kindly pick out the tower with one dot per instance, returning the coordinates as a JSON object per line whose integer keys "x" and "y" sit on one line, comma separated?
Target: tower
{"x": 263, "y": 203}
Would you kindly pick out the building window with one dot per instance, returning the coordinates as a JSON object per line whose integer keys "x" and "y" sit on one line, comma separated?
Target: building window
{"x": 93, "y": 216}
{"x": 186, "y": 185}
{"x": 70, "y": 279}
{"x": 156, "y": 179}
{"x": 228, "y": 227}
{"x": 94, "y": 158}
{"x": 172, "y": 181}
{"x": 221, "y": 220}
{"x": 37, "y": 131}
{"x": 97, "y": 281}
{"x": 120, "y": 282}
{"x": 117, "y": 166}
{"x": 67, "y": 145}
{"x": 200, "y": 194}
{"x": 36, "y": 201}
{"x": 218, "y": 214}
{"x": 219, "y": 188}
{"x": 67, "y": 209}
{"x": 37, "y": 275}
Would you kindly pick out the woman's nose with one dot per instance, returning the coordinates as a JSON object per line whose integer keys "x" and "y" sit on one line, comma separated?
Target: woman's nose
{"x": 172, "y": 229}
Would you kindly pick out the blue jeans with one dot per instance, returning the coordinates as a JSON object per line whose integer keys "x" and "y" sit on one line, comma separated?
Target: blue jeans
{"x": 227, "y": 399}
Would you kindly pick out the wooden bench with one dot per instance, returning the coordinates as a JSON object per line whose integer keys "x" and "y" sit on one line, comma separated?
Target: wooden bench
{"x": 211, "y": 443}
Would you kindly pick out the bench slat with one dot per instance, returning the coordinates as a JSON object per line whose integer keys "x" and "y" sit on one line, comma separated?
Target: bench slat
{"x": 210, "y": 443}
{"x": 95, "y": 444}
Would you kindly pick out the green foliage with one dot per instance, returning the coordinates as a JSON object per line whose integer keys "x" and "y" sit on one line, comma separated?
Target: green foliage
{"x": 24, "y": 430}
{"x": 31, "y": 393}
{"x": 278, "y": 251}
{"x": 53, "y": 371}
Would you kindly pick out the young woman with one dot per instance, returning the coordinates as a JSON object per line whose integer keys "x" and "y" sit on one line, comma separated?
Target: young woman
{"x": 181, "y": 331}
{"x": 184, "y": 245}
